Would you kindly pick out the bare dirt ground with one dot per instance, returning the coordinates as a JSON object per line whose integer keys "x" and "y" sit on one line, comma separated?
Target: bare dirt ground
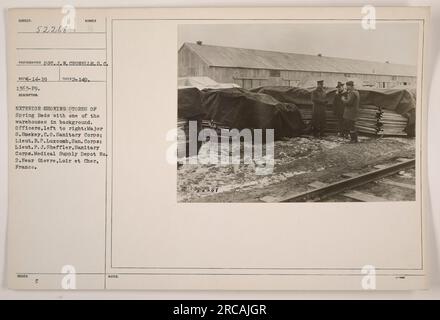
{"x": 298, "y": 162}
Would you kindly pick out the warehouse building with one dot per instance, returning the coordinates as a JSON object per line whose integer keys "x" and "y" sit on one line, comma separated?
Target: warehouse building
{"x": 250, "y": 68}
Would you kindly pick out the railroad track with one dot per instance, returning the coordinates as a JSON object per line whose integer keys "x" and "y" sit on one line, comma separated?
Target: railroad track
{"x": 322, "y": 191}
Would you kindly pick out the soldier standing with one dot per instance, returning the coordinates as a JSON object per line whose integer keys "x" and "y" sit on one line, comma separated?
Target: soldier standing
{"x": 319, "y": 100}
{"x": 351, "y": 112}
{"x": 338, "y": 109}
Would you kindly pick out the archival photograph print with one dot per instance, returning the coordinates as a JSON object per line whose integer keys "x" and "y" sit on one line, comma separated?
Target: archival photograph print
{"x": 297, "y": 112}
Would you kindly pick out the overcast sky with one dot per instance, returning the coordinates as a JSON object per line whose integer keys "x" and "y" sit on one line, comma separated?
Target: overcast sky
{"x": 394, "y": 42}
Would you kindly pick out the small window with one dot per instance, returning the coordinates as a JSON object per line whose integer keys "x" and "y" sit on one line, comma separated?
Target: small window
{"x": 274, "y": 73}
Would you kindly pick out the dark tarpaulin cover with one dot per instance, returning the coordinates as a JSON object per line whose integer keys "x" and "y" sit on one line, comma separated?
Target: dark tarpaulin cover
{"x": 189, "y": 104}
{"x": 295, "y": 95}
{"x": 401, "y": 101}
{"x": 398, "y": 100}
{"x": 240, "y": 108}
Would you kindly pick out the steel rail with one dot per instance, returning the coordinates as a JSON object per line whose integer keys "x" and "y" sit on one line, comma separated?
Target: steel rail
{"x": 347, "y": 184}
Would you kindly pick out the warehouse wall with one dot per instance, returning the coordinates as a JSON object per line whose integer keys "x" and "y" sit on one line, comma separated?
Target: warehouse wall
{"x": 190, "y": 64}
{"x": 246, "y": 78}
{"x": 251, "y": 78}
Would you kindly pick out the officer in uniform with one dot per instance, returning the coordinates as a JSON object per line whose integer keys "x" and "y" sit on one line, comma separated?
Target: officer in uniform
{"x": 319, "y": 100}
{"x": 338, "y": 109}
{"x": 351, "y": 112}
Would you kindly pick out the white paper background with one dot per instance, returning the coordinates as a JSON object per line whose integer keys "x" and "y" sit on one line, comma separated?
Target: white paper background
{"x": 433, "y": 222}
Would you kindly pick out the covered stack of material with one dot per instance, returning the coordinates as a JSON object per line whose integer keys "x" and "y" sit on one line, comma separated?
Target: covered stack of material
{"x": 238, "y": 109}
{"x": 302, "y": 98}
{"x": 241, "y": 109}
{"x": 396, "y": 108}
{"x": 295, "y": 95}
{"x": 383, "y": 111}
{"x": 189, "y": 104}
{"x": 189, "y": 108}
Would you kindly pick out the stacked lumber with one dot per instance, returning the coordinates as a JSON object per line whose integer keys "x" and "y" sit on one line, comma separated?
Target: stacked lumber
{"x": 217, "y": 127}
{"x": 372, "y": 120}
{"x": 331, "y": 120}
{"x": 183, "y": 124}
{"x": 214, "y": 125}
{"x": 369, "y": 119}
{"x": 306, "y": 113}
{"x": 393, "y": 124}
{"x": 378, "y": 121}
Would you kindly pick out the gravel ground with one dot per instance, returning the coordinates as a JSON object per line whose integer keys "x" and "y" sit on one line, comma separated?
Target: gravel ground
{"x": 298, "y": 162}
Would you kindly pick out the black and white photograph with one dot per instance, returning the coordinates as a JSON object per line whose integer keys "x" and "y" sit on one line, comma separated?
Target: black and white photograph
{"x": 229, "y": 152}
{"x": 297, "y": 112}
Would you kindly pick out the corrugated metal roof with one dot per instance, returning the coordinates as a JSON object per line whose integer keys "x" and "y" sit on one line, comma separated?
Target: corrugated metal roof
{"x": 260, "y": 59}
